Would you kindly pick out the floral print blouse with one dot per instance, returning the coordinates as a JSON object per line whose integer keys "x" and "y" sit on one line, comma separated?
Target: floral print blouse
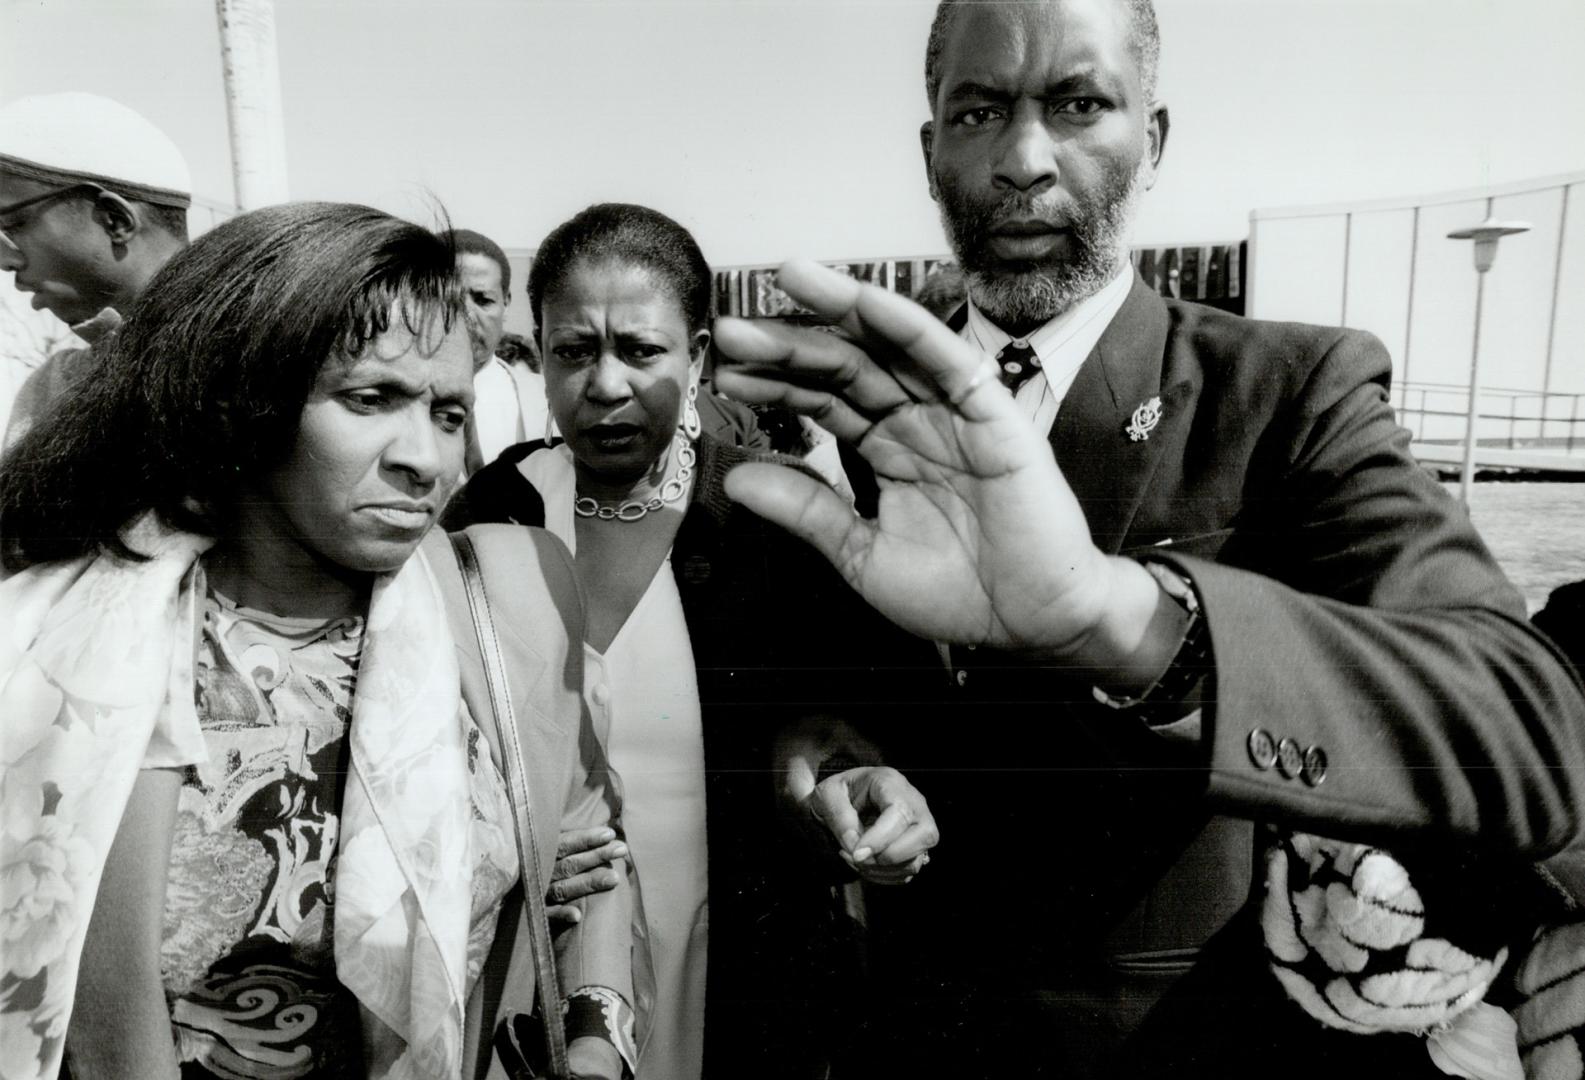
{"x": 248, "y": 956}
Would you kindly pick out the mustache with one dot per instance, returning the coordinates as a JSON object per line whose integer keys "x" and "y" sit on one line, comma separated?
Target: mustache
{"x": 1057, "y": 211}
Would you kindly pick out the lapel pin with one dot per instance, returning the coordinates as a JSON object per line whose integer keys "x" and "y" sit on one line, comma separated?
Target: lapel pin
{"x": 1144, "y": 420}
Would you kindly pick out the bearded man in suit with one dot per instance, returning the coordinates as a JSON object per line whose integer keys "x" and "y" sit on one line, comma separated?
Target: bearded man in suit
{"x": 1189, "y": 581}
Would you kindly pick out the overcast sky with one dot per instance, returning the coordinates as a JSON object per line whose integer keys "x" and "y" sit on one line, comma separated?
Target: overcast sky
{"x": 779, "y": 127}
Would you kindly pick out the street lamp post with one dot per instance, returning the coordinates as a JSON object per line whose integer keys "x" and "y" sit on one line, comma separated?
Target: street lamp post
{"x": 253, "y": 101}
{"x": 1485, "y": 235}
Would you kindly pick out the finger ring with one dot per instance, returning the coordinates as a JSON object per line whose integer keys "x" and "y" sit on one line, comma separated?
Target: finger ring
{"x": 987, "y": 371}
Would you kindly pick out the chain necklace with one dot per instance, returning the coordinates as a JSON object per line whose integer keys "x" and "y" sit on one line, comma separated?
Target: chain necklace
{"x": 673, "y": 489}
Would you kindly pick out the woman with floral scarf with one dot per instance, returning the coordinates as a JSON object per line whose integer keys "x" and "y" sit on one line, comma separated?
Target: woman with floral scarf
{"x": 257, "y": 820}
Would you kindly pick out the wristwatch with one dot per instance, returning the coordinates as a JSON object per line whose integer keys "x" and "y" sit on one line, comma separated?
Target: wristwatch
{"x": 1162, "y": 701}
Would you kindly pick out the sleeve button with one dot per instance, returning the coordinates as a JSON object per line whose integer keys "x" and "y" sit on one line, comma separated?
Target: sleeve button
{"x": 1314, "y": 770}
{"x": 1290, "y": 759}
{"x": 1262, "y": 749}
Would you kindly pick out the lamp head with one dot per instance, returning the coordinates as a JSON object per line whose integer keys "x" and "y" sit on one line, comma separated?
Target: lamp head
{"x": 1486, "y": 235}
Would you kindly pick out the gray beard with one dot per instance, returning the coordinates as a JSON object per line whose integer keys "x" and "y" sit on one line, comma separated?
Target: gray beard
{"x": 1040, "y": 294}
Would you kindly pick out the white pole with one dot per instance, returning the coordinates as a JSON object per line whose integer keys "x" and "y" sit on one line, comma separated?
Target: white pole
{"x": 1466, "y": 475}
{"x": 1485, "y": 235}
{"x": 253, "y": 101}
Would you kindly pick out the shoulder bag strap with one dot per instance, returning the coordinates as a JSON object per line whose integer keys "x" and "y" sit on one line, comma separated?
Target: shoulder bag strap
{"x": 517, "y": 791}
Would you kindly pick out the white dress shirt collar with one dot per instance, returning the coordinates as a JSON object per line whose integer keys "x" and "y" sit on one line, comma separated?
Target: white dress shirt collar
{"x": 1062, "y": 344}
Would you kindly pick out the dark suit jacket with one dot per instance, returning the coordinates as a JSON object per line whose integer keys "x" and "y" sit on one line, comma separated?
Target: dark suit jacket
{"x": 1351, "y": 609}
{"x": 1563, "y": 619}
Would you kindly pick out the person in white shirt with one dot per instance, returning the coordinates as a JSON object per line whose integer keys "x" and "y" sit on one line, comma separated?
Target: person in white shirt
{"x": 93, "y": 202}
{"x": 497, "y": 420}
{"x": 522, "y": 359}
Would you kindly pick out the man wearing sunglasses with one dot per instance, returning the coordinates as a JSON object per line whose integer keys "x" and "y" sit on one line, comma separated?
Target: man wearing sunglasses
{"x": 93, "y": 201}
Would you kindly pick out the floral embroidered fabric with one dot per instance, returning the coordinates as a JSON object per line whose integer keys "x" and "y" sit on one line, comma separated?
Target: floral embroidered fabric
{"x": 248, "y": 957}
{"x": 97, "y": 659}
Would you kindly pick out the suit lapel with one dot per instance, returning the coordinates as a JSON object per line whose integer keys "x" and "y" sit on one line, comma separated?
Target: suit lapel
{"x": 1107, "y": 470}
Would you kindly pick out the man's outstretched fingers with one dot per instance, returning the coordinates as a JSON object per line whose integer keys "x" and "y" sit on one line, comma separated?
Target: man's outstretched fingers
{"x": 879, "y": 316}
{"x": 799, "y": 503}
{"x": 823, "y": 407}
{"x": 810, "y": 358}
{"x": 819, "y": 288}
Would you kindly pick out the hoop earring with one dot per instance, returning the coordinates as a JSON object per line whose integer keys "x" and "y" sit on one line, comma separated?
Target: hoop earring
{"x": 690, "y": 414}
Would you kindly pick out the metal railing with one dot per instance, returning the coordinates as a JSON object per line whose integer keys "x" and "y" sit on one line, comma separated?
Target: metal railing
{"x": 1387, "y": 266}
{"x": 1513, "y": 419}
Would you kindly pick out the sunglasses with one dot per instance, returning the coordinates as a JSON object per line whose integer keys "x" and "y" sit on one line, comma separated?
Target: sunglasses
{"x": 6, "y": 212}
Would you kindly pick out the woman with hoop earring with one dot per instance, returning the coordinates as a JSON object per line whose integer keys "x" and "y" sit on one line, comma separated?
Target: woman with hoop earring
{"x": 709, "y": 634}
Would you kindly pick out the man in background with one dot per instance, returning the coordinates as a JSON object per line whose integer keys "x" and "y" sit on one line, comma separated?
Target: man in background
{"x": 522, "y": 358}
{"x": 497, "y": 419}
{"x": 93, "y": 202}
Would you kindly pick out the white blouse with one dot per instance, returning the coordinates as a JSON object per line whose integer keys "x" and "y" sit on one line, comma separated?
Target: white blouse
{"x": 643, "y": 694}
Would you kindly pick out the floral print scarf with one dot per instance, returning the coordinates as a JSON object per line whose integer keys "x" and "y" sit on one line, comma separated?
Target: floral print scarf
{"x": 96, "y": 683}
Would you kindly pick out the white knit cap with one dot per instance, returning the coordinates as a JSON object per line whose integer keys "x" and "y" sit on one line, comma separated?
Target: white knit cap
{"x": 74, "y": 137}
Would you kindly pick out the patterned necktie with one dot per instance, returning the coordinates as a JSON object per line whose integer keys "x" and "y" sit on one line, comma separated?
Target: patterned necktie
{"x": 1018, "y": 363}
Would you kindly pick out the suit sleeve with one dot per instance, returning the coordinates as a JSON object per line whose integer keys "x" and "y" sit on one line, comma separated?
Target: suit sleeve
{"x": 1378, "y": 630}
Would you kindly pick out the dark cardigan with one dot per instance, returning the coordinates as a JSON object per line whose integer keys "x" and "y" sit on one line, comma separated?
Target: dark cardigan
{"x": 776, "y": 634}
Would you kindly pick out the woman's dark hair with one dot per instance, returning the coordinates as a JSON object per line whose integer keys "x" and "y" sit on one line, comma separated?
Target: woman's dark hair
{"x": 204, "y": 384}
{"x": 627, "y": 235}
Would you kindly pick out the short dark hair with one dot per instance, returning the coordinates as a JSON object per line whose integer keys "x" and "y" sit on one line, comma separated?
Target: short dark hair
{"x": 168, "y": 219}
{"x": 1144, "y": 41}
{"x": 468, "y": 242}
{"x": 624, "y": 233}
{"x": 204, "y": 384}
